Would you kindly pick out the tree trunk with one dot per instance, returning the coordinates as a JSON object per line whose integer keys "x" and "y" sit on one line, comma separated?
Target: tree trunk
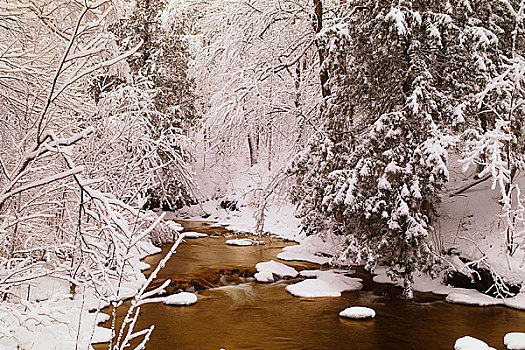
{"x": 270, "y": 149}
{"x": 253, "y": 151}
{"x": 318, "y": 8}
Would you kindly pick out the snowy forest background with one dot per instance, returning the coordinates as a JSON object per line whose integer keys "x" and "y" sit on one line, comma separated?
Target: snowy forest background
{"x": 374, "y": 119}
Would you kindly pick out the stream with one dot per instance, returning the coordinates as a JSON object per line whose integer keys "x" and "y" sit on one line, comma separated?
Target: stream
{"x": 236, "y": 312}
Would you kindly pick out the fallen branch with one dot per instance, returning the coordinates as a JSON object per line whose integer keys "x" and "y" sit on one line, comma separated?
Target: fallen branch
{"x": 463, "y": 189}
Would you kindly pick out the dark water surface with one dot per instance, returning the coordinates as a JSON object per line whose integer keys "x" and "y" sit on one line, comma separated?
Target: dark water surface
{"x": 234, "y": 312}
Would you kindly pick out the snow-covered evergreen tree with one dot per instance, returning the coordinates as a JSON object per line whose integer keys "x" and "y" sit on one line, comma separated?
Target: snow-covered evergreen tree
{"x": 375, "y": 170}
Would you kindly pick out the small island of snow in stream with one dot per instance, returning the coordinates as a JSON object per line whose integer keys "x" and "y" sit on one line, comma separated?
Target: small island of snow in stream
{"x": 470, "y": 343}
{"x": 181, "y": 299}
{"x": 267, "y": 271}
{"x": 243, "y": 242}
{"x": 358, "y": 312}
{"x": 514, "y": 341}
{"x": 329, "y": 283}
{"x": 192, "y": 234}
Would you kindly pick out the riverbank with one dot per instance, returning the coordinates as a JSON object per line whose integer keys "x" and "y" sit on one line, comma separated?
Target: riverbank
{"x": 281, "y": 222}
{"x": 50, "y": 316}
{"x": 234, "y": 311}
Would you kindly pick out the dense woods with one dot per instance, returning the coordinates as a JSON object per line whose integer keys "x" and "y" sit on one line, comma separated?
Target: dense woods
{"x": 351, "y": 110}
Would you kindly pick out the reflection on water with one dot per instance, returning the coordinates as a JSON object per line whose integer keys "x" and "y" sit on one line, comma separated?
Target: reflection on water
{"x": 250, "y": 315}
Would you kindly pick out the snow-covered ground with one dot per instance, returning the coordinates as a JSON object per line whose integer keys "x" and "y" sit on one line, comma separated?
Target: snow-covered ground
{"x": 50, "y": 317}
{"x": 470, "y": 224}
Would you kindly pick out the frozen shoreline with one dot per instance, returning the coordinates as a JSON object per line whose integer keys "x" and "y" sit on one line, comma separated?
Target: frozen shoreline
{"x": 281, "y": 223}
{"x": 70, "y": 311}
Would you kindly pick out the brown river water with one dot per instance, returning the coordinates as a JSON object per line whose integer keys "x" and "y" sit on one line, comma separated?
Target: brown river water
{"x": 235, "y": 312}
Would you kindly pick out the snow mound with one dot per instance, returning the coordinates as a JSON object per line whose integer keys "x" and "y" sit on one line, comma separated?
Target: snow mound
{"x": 183, "y": 298}
{"x": 514, "y": 341}
{"x": 329, "y": 283}
{"x": 216, "y": 225}
{"x": 192, "y": 234}
{"x": 312, "y": 249}
{"x": 267, "y": 271}
{"x": 101, "y": 335}
{"x": 470, "y": 343}
{"x": 243, "y": 242}
{"x": 143, "y": 266}
{"x": 174, "y": 225}
{"x": 358, "y": 312}
{"x": 472, "y": 297}
{"x": 313, "y": 289}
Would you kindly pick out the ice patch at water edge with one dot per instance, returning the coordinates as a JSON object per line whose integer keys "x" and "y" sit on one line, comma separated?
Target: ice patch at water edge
{"x": 143, "y": 266}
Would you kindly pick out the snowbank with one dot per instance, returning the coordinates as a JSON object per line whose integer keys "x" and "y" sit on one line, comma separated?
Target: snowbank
{"x": 49, "y": 317}
{"x": 470, "y": 343}
{"x": 358, "y": 312}
{"x": 50, "y": 324}
{"x": 472, "y": 297}
{"x": 514, "y": 341}
{"x": 423, "y": 283}
{"x": 183, "y": 298}
{"x": 471, "y": 224}
{"x": 313, "y": 249}
{"x": 267, "y": 271}
{"x": 329, "y": 283}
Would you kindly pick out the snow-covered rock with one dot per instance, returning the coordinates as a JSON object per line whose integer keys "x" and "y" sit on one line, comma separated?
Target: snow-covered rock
{"x": 183, "y": 298}
{"x": 267, "y": 271}
{"x": 243, "y": 242}
{"x": 329, "y": 283}
{"x": 358, "y": 312}
{"x": 470, "y": 343}
{"x": 514, "y": 341}
{"x": 192, "y": 234}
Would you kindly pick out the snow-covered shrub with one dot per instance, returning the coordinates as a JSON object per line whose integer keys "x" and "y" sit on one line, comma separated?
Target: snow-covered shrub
{"x": 495, "y": 139}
